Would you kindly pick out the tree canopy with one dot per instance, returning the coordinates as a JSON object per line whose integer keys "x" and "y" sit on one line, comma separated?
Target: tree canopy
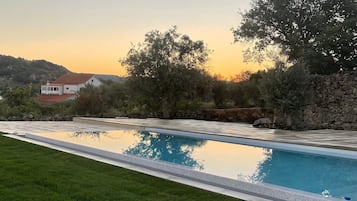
{"x": 166, "y": 68}
{"x": 323, "y": 33}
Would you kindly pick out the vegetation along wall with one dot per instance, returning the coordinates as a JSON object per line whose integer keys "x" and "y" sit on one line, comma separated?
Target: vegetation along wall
{"x": 334, "y": 102}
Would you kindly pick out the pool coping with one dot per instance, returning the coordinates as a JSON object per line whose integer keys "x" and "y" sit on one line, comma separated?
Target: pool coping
{"x": 259, "y": 191}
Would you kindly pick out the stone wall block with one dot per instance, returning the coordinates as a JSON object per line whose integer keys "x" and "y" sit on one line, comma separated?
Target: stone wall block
{"x": 334, "y": 103}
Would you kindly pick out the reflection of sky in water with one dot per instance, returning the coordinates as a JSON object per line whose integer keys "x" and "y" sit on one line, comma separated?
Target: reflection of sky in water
{"x": 317, "y": 174}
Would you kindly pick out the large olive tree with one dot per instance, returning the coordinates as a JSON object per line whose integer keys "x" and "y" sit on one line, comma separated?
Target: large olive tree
{"x": 323, "y": 33}
{"x": 165, "y": 69}
{"x": 286, "y": 91}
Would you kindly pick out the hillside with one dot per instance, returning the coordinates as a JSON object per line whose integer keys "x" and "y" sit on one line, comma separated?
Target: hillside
{"x": 111, "y": 78}
{"x": 15, "y": 72}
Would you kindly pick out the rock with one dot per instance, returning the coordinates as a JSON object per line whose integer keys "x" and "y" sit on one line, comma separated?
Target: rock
{"x": 262, "y": 123}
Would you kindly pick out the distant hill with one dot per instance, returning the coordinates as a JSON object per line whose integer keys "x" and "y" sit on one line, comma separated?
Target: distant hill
{"x": 110, "y": 78}
{"x": 15, "y": 72}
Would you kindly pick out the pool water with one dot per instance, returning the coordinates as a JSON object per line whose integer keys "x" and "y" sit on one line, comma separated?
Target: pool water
{"x": 324, "y": 175}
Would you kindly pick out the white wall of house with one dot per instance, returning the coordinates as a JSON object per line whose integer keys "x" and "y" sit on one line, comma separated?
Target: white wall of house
{"x": 94, "y": 81}
{"x": 52, "y": 90}
{"x": 70, "y": 89}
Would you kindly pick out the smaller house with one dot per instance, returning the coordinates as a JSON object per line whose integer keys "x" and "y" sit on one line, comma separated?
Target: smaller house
{"x": 66, "y": 87}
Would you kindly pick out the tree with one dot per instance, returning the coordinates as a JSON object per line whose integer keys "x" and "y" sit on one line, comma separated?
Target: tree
{"x": 286, "y": 91}
{"x": 243, "y": 76}
{"x": 245, "y": 93}
{"x": 321, "y": 32}
{"x": 116, "y": 98}
{"x": 19, "y": 96}
{"x": 220, "y": 92}
{"x": 164, "y": 69}
{"x": 19, "y": 103}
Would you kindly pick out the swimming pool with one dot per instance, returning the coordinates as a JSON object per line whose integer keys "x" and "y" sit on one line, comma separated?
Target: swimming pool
{"x": 215, "y": 155}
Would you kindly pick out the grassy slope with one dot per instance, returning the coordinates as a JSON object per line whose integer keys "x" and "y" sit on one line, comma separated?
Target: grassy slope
{"x": 34, "y": 173}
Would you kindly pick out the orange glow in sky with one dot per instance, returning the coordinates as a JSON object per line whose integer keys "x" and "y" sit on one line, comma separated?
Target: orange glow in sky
{"x": 93, "y": 35}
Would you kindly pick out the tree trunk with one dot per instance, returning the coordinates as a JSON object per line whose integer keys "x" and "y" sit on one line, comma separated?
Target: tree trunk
{"x": 288, "y": 121}
{"x": 165, "y": 107}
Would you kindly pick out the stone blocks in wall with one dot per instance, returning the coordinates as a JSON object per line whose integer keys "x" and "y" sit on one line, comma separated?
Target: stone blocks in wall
{"x": 334, "y": 103}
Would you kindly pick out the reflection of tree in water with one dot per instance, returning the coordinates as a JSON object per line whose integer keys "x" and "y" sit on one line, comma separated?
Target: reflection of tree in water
{"x": 170, "y": 148}
{"x": 317, "y": 174}
{"x": 93, "y": 134}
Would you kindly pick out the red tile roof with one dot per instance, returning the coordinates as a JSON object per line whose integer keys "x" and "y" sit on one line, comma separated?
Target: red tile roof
{"x": 73, "y": 78}
{"x": 51, "y": 99}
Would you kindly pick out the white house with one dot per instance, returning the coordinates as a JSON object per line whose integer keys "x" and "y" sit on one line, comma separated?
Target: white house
{"x": 69, "y": 84}
{"x": 66, "y": 87}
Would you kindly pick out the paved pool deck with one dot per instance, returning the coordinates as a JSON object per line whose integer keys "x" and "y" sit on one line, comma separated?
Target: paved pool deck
{"x": 338, "y": 139}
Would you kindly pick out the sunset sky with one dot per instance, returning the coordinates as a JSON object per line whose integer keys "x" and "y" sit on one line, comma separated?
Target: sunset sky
{"x": 93, "y": 35}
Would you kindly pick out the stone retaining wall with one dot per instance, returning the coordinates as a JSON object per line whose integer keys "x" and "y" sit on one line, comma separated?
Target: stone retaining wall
{"x": 334, "y": 102}
{"x": 246, "y": 115}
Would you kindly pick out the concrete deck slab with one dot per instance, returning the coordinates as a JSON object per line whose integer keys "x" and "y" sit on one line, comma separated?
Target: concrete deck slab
{"x": 22, "y": 127}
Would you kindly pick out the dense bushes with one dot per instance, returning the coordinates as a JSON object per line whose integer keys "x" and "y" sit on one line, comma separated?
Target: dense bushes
{"x": 18, "y": 103}
{"x": 111, "y": 99}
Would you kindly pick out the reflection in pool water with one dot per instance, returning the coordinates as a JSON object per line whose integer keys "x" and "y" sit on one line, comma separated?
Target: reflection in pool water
{"x": 329, "y": 176}
{"x": 166, "y": 148}
{"x": 96, "y": 134}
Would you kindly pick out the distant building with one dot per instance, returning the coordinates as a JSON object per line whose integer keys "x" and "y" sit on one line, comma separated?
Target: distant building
{"x": 66, "y": 87}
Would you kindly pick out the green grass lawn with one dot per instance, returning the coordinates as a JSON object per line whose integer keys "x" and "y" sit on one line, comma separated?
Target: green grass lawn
{"x": 34, "y": 173}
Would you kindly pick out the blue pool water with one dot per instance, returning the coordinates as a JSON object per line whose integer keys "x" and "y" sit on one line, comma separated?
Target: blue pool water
{"x": 324, "y": 175}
